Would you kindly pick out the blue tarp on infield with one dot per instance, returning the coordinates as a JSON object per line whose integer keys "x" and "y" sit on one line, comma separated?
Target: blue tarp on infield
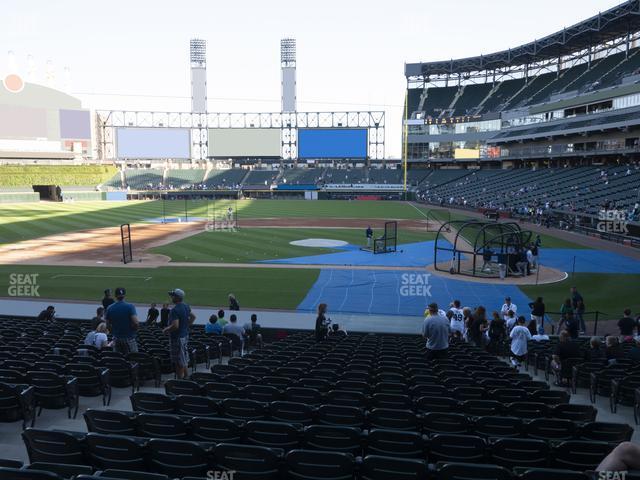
{"x": 417, "y": 254}
{"x": 391, "y": 292}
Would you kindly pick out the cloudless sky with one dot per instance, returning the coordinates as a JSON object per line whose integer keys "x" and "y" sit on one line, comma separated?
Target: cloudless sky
{"x": 351, "y": 53}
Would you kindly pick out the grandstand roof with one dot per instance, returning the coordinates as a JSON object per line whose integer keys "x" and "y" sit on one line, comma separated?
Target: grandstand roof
{"x": 613, "y": 23}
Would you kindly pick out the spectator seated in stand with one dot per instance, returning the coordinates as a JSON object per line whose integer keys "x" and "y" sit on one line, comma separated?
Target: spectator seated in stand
{"x": 253, "y": 331}
{"x": 213, "y": 327}
{"x": 336, "y": 331}
{"x": 98, "y": 337}
{"x": 234, "y": 329}
{"x": 595, "y": 352}
{"x": 613, "y": 350}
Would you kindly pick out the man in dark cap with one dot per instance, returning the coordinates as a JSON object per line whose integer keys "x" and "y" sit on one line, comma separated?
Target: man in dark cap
{"x": 122, "y": 322}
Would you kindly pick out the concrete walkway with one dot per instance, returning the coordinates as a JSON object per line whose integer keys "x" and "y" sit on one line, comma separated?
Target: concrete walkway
{"x": 285, "y": 319}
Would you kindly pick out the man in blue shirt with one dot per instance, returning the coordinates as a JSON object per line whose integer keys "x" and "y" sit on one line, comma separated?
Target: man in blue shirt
{"x": 122, "y": 322}
{"x": 180, "y": 319}
{"x": 213, "y": 326}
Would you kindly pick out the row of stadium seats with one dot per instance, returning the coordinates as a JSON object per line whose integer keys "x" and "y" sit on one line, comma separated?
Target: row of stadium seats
{"x": 362, "y": 405}
{"x": 588, "y": 188}
{"x": 508, "y": 94}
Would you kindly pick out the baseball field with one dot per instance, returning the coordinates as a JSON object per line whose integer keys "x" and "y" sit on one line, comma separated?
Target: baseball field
{"x": 74, "y": 249}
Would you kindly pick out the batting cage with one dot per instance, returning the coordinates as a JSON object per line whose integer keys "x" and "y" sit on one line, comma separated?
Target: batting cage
{"x": 125, "y": 237}
{"x": 481, "y": 249}
{"x": 388, "y": 242}
{"x": 216, "y": 213}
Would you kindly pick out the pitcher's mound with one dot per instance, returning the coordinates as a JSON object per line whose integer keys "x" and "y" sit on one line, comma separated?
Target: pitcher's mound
{"x": 319, "y": 242}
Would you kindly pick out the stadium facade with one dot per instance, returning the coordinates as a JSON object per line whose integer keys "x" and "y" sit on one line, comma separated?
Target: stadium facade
{"x": 570, "y": 98}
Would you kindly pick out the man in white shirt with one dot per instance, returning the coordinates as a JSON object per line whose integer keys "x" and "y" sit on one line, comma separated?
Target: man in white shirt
{"x": 520, "y": 335}
{"x": 235, "y": 329}
{"x": 508, "y": 306}
{"x": 457, "y": 318}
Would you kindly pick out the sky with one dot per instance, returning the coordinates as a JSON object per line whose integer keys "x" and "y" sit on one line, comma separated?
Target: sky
{"x": 134, "y": 54}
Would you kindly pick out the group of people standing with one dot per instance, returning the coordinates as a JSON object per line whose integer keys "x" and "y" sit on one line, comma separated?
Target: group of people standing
{"x": 120, "y": 318}
{"x": 504, "y": 326}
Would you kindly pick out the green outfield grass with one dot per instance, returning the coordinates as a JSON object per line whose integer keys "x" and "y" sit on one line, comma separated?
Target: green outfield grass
{"x": 33, "y": 220}
{"x": 253, "y": 244}
{"x": 608, "y": 293}
{"x": 254, "y": 287}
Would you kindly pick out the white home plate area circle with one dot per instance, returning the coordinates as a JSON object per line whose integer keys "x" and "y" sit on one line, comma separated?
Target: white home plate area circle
{"x": 319, "y": 242}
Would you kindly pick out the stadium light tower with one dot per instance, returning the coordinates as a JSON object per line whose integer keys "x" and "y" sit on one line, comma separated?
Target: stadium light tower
{"x": 198, "y": 55}
{"x": 288, "y": 66}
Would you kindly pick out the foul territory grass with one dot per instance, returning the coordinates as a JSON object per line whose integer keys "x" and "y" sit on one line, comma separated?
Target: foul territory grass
{"x": 253, "y": 244}
{"x": 254, "y": 287}
{"x": 608, "y": 293}
{"x": 32, "y": 220}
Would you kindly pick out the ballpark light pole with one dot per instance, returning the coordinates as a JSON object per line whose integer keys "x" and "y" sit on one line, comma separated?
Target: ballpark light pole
{"x": 288, "y": 77}
{"x": 198, "y": 61}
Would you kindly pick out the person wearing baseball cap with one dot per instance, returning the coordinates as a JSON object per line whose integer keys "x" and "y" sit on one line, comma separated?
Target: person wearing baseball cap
{"x": 122, "y": 322}
{"x": 180, "y": 319}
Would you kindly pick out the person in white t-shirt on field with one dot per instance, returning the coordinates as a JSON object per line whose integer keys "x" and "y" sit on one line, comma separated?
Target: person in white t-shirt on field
{"x": 520, "y": 335}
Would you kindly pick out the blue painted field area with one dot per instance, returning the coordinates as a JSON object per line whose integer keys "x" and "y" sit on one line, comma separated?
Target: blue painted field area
{"x": 396, "y": 292}
{"x": 407, "y": 292}
{"x": 408, "y": 255}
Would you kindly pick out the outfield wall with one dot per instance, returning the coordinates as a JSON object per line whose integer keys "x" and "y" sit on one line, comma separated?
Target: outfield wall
{"x": 19, "y": 197}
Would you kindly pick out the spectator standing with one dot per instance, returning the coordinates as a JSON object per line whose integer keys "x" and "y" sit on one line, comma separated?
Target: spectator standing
{"x": 152, "y": 314}
{"x": 107, "y": 299}
{"x": 213, "y": 327}
{"x": 180, "y": 319}
{"x": 565, "y": 310}
{"x": 457, "y": 318}
{"x": 537, "y": 313}
{"x": 577, "y": 302}
{"x": 479, "y": 327}
{"x": 520, "y": 335}
{"x": 565, "y": 350}
{"x": 122, "y": 321}
{"x": 436, "y": 330}
{"x": 497, "y": 334}
{"x": 507, "y": 307}
{"x": 321, "y": 323}
{"x": 627, "y": 324}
